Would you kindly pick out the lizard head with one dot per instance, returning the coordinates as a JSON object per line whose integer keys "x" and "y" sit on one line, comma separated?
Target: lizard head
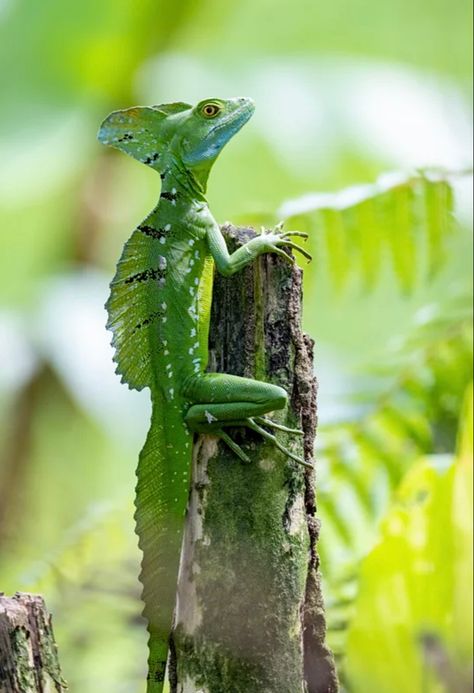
{"x": 191, "y": 135}
{"x": 210, "y": 125}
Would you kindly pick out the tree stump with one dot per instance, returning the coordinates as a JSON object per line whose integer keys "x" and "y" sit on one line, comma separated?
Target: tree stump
{"x": 28, "y": 654}
{"x": 249, "y": 613}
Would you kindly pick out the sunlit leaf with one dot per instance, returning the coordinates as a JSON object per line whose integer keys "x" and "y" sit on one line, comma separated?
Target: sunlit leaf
{"x": 361, "y": 222}
{"x": 439, "y": 203}
{"x": 336, "y": 244}
{"x": 417, "y": 416}
{"x": 412, "y": 628}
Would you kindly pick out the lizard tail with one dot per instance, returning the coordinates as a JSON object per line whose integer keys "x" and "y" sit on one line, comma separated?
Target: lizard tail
{"x": 163, "y": 474}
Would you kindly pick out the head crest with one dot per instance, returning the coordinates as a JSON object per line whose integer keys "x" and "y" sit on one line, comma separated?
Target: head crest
{"x": 140, "y": 132}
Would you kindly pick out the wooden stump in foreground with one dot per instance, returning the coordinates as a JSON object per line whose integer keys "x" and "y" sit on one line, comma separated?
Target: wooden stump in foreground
{"x": 28, "y": 654}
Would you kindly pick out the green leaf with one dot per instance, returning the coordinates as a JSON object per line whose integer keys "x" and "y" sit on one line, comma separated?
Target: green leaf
{"x": 402, "y": 235}
{"x": 336, "y": 245}
{"x": 408, "y": 215}
{"x": 369, "y": 241}
{"x": 412, "y": 628}
{"x": 439, "y": 205}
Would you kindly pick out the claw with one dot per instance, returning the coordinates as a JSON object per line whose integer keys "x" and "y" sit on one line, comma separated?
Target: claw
{"x": 272, "y": 424}
{"x": 301, "y": 250}
{"x": 279, "y": 227}
{"x": 279, "y": 251}
{"x": 301, "y": 234}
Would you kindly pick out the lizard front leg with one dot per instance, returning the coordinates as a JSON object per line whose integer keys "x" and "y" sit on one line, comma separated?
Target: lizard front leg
{"x": 268, "y": 242}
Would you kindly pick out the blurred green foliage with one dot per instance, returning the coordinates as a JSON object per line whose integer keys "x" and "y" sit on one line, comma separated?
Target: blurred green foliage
{"x": 414, "y": 605}
{"x": 345, "y": 92}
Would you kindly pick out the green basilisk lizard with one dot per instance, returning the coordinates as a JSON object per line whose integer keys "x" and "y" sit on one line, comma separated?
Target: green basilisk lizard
{"x": 159, "y": 312}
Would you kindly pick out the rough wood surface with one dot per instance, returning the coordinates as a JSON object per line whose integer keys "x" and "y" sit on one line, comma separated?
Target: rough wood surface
{"x": 28, "y": 654}
{"x": 250, "y": 615}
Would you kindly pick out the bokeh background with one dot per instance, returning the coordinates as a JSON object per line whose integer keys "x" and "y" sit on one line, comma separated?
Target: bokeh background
{"x": 345, "y": 92}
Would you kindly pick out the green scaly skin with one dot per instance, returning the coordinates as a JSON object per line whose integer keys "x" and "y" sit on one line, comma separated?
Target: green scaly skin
{"x": 159, "y": 312}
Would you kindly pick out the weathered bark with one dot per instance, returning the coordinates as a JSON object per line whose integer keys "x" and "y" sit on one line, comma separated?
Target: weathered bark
{"x": 28, "y": 655}
{"x": 249, "y": 616}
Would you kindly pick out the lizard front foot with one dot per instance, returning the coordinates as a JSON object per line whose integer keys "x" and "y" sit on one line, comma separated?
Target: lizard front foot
{"x": 276, "y": 238}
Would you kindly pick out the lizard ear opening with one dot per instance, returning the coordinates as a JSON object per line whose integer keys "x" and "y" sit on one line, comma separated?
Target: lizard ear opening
{"x": 139, "y": 132}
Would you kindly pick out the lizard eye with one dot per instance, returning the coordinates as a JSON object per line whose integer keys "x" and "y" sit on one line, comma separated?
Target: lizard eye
{"x": 210, "y": 110}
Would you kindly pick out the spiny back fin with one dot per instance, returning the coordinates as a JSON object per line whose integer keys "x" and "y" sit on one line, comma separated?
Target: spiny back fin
{"x": 134, "y": 312}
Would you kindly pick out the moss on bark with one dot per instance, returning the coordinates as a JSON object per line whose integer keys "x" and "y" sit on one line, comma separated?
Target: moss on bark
{"x": 28, "y": 654}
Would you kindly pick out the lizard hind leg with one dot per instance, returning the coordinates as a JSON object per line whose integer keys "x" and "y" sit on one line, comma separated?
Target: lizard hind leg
{"x": 220, "y": 400}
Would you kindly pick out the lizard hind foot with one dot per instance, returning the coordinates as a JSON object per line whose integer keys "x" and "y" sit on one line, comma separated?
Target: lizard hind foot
{"x": 254, "y": 426}
{"x": 264, "y": 421}
{"x": 232, "y": 445}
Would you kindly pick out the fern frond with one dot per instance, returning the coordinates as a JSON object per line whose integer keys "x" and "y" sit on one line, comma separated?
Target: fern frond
{"x": 405, "y": 219}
